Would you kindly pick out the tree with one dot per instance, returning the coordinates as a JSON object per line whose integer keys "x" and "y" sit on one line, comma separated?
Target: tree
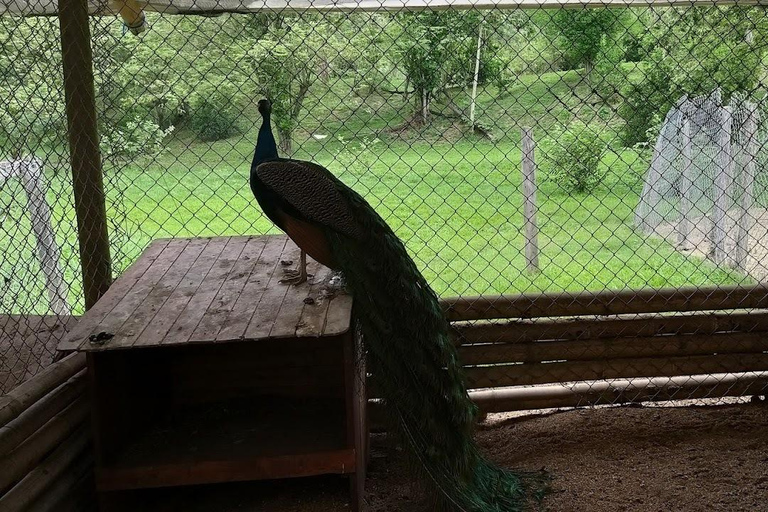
{"x": 694, "y": 51}
{"x": 33, "y": 105}
{"x": 580, "y": 32}
{"x": 437, "y": 49}
{"x": 284, "y": 65}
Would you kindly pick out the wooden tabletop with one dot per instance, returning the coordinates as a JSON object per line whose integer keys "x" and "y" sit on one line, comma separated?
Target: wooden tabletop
{"x": 207, "y": 290}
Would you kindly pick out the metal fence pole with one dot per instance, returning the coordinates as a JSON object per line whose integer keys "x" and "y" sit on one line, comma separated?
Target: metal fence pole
{"x": 85, "y": 157}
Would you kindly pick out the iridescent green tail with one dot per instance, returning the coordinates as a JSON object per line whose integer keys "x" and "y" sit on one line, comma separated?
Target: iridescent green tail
{"x": 417, "y": 370}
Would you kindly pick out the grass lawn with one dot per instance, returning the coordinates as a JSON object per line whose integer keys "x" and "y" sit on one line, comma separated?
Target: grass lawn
{"x": 454, "y": 198}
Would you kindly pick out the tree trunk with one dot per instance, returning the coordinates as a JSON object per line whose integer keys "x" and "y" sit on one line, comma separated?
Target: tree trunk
{"x": 423, "y": 99}
{"x": 285, "y": 143}
{"x": 589, "y": 67}
{"x": 323, "y": 69}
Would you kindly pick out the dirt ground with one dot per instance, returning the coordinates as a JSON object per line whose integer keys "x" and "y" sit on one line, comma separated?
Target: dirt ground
{"x": 637, "y": 459}
{"x": 699, "y": 245}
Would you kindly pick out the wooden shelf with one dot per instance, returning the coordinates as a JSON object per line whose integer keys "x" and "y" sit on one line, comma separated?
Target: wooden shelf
{"x": 234, "y": 441}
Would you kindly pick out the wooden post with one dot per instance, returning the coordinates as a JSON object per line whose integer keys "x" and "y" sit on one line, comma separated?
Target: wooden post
{"x": 684, "y": 226}
{"x": 744, "y": 221}
{"x": 529, "y": 208}
{"x": 723, "y": 180}
{"x": 90, "y": 204}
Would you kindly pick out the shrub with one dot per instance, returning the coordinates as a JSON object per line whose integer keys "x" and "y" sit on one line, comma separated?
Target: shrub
{"x": 214, "y": 117}
{"x": 574, "y": 158}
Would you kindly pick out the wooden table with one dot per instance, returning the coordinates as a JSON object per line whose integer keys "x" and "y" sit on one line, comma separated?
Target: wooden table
{"x": 208, "y": 370}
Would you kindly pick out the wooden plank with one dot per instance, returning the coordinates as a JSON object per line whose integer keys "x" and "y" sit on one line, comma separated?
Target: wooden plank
{"x": 256, "y": 289}
{"x": 299, "y": 316}
{"x": 216, "y": 471}
{"x": 339, "y": 319}
{"x": 121, "y": 289}
{"x": 263, "y": 314}
{"x": 217, "y": 313}
{"x": 155, "y": 294}
{"x": 155, "y": 331}
{"x": 613, "y": 348}
{"x": 544, "y": 373}
{"x": 572, "y": 329}
{"x": 188, "y": 319}
{"x": 606, "y": 303}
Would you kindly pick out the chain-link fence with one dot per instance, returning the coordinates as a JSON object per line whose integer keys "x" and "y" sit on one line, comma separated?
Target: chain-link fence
{"x": 586, "y": 156}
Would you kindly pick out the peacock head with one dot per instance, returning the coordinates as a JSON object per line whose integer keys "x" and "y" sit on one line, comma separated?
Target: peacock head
{"x": 265, "y": 107}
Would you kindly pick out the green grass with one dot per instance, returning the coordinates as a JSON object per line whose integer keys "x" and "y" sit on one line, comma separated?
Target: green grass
{"x": 453, "y": 197}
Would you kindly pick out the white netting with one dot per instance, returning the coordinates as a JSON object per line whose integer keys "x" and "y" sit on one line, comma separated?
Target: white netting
{"x": 704, "y": 189}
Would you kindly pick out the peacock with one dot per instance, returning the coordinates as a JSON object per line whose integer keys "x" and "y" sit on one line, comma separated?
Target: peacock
{"x": 403, "y": 326}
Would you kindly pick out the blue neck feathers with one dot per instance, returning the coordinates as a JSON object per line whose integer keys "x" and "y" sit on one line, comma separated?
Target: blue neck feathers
{"x": 266, "y": 148}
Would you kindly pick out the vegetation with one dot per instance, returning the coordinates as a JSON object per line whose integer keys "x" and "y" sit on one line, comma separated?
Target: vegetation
{"x": 575, "y": 155}
{"x": 178, "y": 124}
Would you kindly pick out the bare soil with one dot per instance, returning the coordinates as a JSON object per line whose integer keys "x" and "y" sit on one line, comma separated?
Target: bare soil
{"x": 637, "y": 459}
{"x": 699, "y": 245}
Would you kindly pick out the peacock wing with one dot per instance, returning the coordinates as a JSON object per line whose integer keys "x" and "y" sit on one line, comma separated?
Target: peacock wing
{"x": 312, "y": 191}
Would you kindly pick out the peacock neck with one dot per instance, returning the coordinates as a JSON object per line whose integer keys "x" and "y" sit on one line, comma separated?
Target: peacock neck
{"x": 266, "y": 148}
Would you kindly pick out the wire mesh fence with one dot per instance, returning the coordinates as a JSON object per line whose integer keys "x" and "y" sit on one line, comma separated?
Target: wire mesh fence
{"x": 537, "y": 151}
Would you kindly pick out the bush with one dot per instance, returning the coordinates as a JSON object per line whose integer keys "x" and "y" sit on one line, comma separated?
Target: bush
{"x": 215, "y": 117}
{"x": 574, "y": 158}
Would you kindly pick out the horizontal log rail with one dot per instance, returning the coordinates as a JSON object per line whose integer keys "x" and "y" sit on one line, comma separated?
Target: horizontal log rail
{"x": 63, "y": 460}
{"x": 524, "y": 331}
{"x": 606, "y": 303}
{"x": 33, "y": 450}
{"x": 574, "y": 371}
{"x": 620, "y": 392}
{"x": 26, "y": 394}
{"x": 614, "y": 348}
{"x": 21, "y": 428}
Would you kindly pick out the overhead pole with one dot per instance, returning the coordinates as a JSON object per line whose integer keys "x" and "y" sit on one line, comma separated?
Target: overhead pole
{"x": 85, "y": 157}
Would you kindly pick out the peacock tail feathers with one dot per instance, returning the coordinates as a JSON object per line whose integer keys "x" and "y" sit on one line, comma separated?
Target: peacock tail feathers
{"x": 417, "y": 369}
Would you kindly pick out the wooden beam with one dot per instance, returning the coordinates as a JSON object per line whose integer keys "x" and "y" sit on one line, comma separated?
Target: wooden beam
{"x": 524, "y": 331}
{"x": 606, "y": 303}
{"x": 22, "y": 460}
{"x": 33, "y": 486}
{"x": 18, "y": 430}
{"x": 607, "y": 349}
{"x": 619, "y": 392}
{"x": 25, "y": 395}
{"x": 587, "y": 394}
{"x": 547, "y": 373}
{"x": 85, "y": 157}
{"x": 215, "y": 471}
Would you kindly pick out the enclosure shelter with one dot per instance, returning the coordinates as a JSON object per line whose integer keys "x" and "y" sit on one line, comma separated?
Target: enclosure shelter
{"x": 583, "y": 184}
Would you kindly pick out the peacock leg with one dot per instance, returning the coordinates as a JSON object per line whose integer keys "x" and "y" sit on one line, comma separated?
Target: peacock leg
{"x": 299, "y": 275}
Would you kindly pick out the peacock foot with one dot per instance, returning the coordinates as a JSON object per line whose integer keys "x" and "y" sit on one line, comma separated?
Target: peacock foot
{"x": 295, "y": 277}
